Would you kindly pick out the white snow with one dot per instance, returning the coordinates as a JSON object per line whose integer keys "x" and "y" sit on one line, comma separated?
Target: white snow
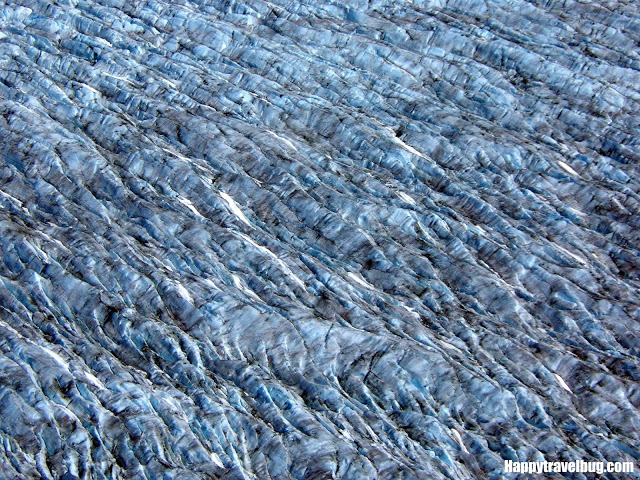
{"x": 11, "y": 197}
{"x": 571, "y": 254}
{"x": 284, "y": 140}
{"x": 184, "y": 293}
{"x": 562, "y": 383}
{"x": 233, "y": 206}
{"x": 94, "y": 380}
{"x": 403, "y": 144}
{"x": 216, "y": 459}
{"x": 412, "y": 311}
{"x": 265, "y": 250}
{"x": 406, "y": 198}
{"x": 567, "y": 168}
{"x": 59, "y": 360}
{"x": 170, "y": 83}
{"x": 358, "y": 279}
{"x": 458, "y": 438}
{"x": 238, "y": 284}
{"x": 187, "y": 203}
{"x": 175, "y": 154}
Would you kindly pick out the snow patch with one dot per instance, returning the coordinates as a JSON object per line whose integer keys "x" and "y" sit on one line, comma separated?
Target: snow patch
{"x": 358, "y": 279}
{"x": 59, "y": 360}
{"x": 284, "y": 140}
{"x": 94, "y": 380}
{"x": 268, "y": 252}
{"x": 233, "y": 206}
{"x": 562, "y": 383}
{"x": 187, "y": 203}
{"x": 216, "y": 460}
{"x": 238, "y": 284}
{"x": 177, "y": 155}
{"x": 183, "y": 292}
{"x": 406, "y": 198}
{"x": 568, "y": 169}
{"x": 458, "y": 438}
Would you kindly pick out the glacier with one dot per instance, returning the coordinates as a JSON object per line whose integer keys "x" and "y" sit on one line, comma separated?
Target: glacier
{"x": 318, "y": 240}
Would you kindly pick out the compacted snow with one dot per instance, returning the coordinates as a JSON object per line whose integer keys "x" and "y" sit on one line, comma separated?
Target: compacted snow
{"x": 313, "y": 240}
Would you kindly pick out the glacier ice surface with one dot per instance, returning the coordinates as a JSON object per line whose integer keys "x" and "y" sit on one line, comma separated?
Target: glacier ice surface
{"x": 311, "y": 240}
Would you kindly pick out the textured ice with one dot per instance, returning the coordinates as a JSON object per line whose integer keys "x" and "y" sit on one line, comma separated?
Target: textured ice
{"x": 313, "y": 240}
